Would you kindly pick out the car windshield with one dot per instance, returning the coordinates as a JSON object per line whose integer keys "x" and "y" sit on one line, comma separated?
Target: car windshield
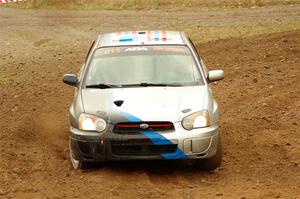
{"x": 143, "y": 65}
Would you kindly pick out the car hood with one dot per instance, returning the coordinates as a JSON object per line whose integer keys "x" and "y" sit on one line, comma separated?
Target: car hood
{"x": 145, "y": 103}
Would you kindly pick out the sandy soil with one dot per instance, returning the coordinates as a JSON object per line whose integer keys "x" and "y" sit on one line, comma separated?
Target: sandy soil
{"x": 259, "y": 98}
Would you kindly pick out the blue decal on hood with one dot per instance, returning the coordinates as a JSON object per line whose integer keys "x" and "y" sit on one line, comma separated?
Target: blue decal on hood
{"x": 157, "y": 139}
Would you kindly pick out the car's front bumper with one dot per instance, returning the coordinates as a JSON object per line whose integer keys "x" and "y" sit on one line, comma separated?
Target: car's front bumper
{"x": 178, "y": 144}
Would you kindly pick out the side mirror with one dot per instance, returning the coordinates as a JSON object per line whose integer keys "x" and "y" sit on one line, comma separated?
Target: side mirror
{"x": 70, "y": 79}
{"x": 215, "y": 75}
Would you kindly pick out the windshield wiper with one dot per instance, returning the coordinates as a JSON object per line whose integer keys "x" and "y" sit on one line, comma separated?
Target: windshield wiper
{"x": 102, "y": 86}
{"x": 144, "y": 84}
{"x": 153, "y": 84}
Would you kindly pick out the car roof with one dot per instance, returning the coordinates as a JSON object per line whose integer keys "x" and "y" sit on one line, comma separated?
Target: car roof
{"x": 147, "y": 37}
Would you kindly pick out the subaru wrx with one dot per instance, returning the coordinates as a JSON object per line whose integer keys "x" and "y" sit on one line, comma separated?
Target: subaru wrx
{"x": 144, "y": 95}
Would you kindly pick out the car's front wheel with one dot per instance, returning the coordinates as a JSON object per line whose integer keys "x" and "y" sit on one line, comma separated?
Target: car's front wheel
{"x": 77, "y": 164}
{"x": 213, "y": 162}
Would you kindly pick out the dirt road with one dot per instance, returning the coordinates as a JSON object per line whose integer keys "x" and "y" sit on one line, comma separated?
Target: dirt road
{"x": 259, "y": 98}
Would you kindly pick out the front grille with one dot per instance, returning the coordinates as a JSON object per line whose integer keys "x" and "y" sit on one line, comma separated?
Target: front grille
{"x": 139, "y": 148}
{"x": 129, "y": 127}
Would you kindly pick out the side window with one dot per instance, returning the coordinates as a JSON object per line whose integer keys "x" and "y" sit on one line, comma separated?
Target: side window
{"x": 200, "y": 60}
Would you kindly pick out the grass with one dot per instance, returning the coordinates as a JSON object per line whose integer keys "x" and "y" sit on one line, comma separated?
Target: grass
{"x": 146, "y": 4}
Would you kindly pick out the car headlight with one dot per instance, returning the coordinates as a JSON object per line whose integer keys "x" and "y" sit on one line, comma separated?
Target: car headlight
{"x": 91, "y": 123}
{"x": 196, "y": 120}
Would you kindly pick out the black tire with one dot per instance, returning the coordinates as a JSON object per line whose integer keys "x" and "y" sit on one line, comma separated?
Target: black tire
{"x": 213, "y": 162}
{"x": 77, "y": 164}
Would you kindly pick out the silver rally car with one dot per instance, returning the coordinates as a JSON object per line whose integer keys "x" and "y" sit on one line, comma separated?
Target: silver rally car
{"x": 144, "y": 95}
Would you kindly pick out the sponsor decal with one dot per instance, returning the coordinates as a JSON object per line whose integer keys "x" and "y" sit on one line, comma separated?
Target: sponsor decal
{"x": 141, "y": 36}
{"x": 126, "y": 39}
{"x": 156, "y": 36}
{"x": 146, "y": 49}
{"x": 136, "y": 49}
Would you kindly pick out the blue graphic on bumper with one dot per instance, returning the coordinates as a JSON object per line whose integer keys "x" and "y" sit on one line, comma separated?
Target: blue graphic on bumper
{"x": 178, "y": 154}
{"x": 158, "y": 139}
